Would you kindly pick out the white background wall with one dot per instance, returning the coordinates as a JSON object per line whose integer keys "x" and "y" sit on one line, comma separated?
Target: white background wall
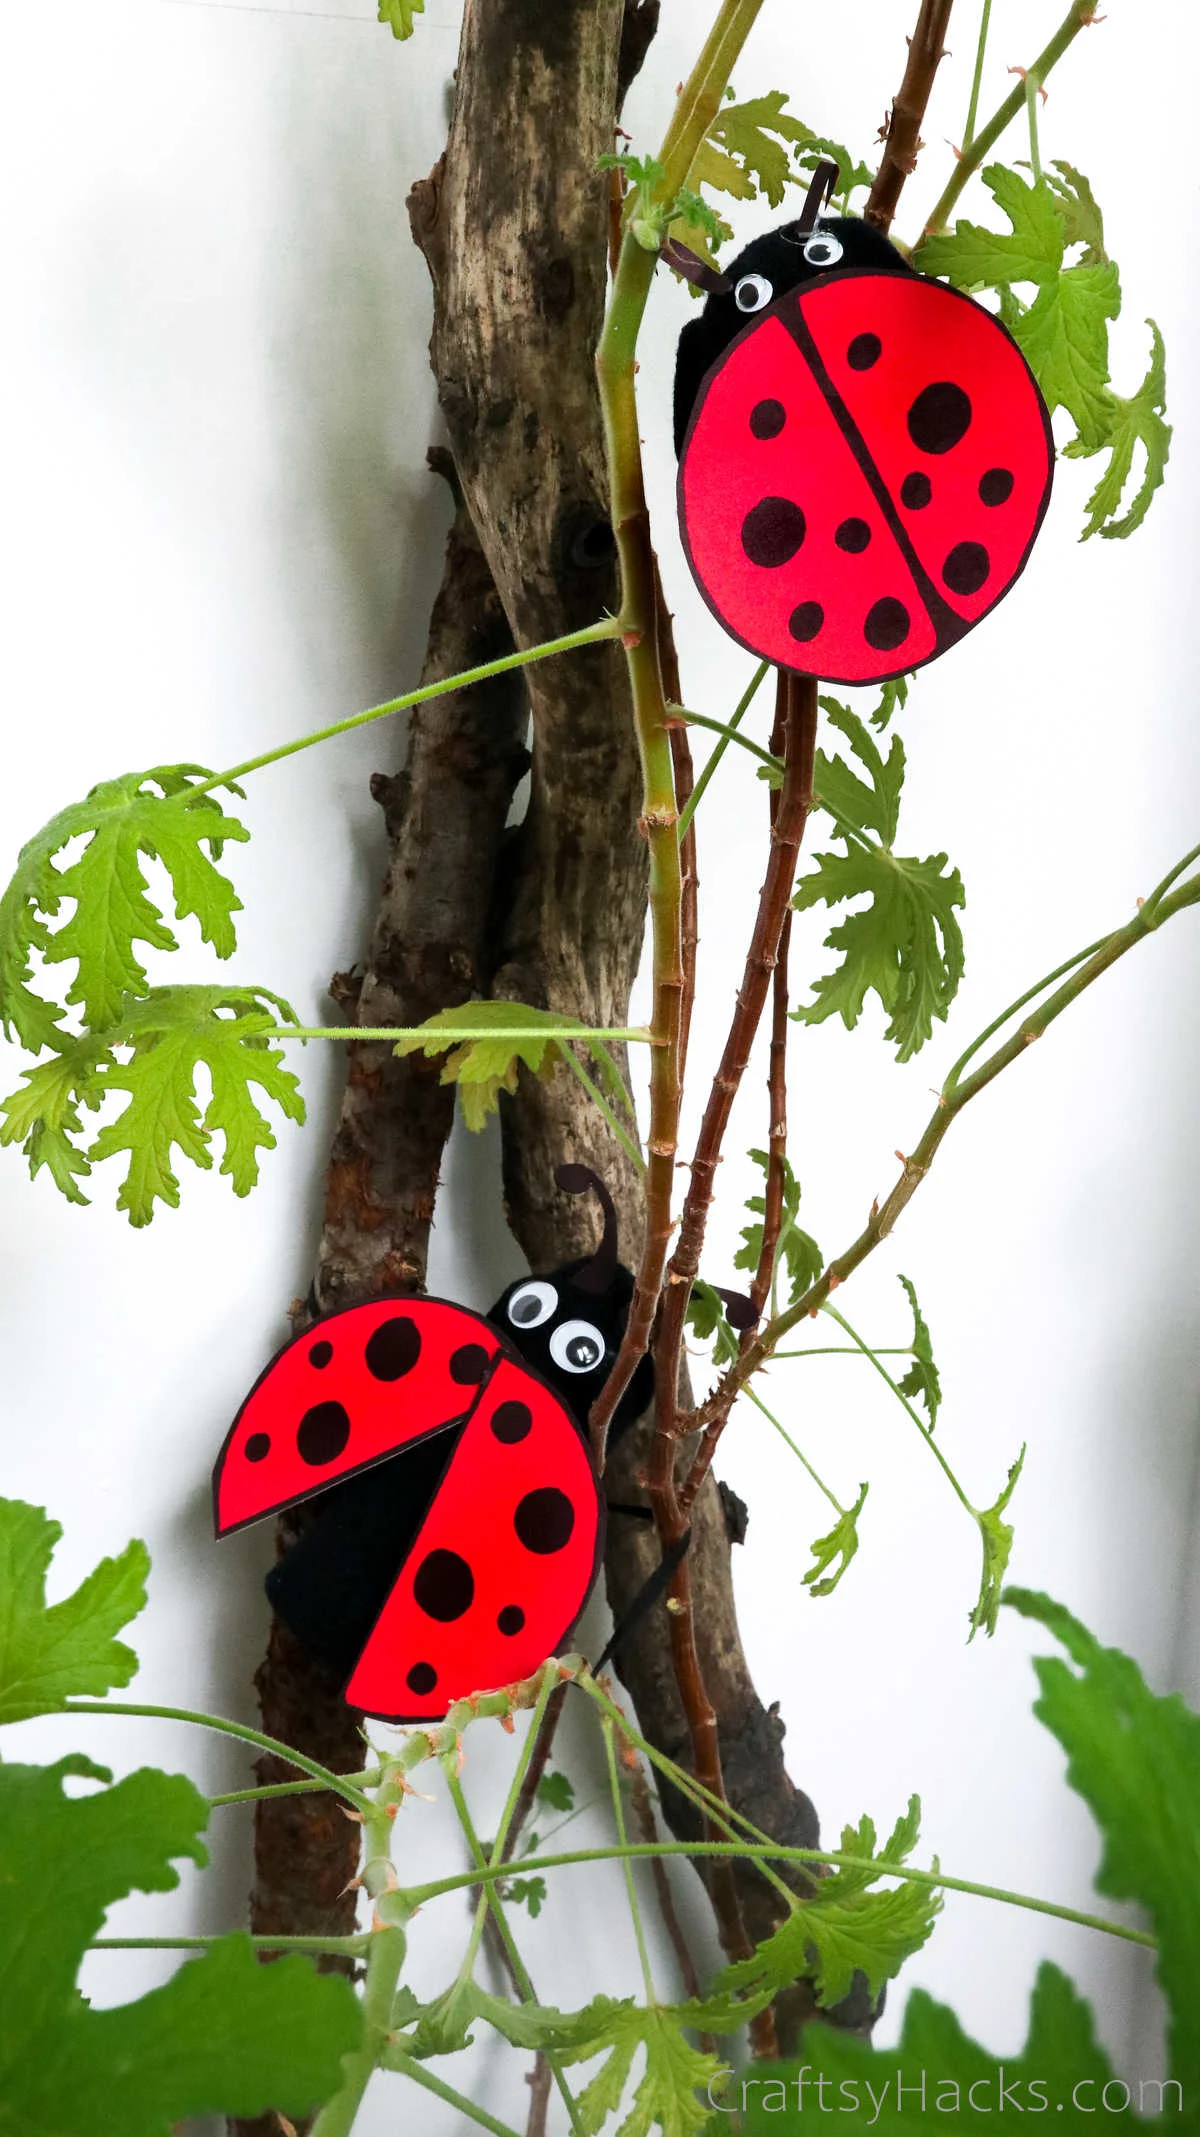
{"x": 219, "y": 532}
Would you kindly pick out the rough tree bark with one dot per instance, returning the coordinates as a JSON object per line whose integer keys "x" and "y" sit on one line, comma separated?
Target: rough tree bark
{"x": 513, "y": 223}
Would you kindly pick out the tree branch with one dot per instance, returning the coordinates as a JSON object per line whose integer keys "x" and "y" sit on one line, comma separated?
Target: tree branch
{"x": 926, "y": 50}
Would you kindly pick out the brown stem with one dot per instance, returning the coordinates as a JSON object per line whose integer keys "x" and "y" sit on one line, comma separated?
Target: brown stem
{"x": 926, "y": 50}
{"x": 540, "y": 2081}
{"x": 776, "y": 1076}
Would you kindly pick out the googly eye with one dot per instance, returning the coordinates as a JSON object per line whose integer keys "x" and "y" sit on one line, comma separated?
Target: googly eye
{"x": 532, "y": 1304}
{"x": 577, "y": 1347}
{"x": 752, "y": 293}
{"x": 822, "y": 250}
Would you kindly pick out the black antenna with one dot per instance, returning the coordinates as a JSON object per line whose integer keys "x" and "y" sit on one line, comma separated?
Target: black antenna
{"x": 820, "y": 192}
{"x": 596, "y": 1275}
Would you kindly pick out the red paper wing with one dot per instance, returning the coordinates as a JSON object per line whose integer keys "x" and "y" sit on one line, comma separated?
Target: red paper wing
{"x": 502, "y": 1565}
{"x": 348, "y": 1393}
{"x": 950, "y": 415}
{"x": 770, "y": 493}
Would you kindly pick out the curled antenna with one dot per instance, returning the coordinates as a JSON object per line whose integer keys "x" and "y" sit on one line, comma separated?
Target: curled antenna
{"x": 596, "y": 1275}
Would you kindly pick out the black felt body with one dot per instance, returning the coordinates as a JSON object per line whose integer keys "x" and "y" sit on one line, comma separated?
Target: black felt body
{"x": 779, "y": 257}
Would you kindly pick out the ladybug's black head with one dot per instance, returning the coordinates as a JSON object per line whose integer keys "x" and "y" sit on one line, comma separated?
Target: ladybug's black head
{"x": 769, "y": 266}
{"x": 569, "y": 1324}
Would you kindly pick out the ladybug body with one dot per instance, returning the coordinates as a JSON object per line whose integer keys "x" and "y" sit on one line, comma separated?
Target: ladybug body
{"x": 865, "y": 457}
{"x": 461, "y": 1524}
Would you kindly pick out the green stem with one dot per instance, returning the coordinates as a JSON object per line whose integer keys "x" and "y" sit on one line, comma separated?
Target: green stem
{"x": 1030, "y": 994}
{"x": 786, "y": 1437}
{"x": 1172, "y": 876}
{"x": 1033, "y": 83}
{"x": 602, "y": 1105}
{"x": 385, "y": 1959}
{"x": 457, "y": 1034}
{"x": 905, "y": 1404}
{"x": 370, "y": 1779}
{"x": 336, "y": 1783}
{"x": 1078, "y": 18}
{"x": 595, "y": 634}
{"x": 421, "y": 2074}
{"x": 730, "y": 733}
{"x": 981, "y": 48}
{"x": 694, "y": 798}
{"x": 846, "y": 1350}
{"x": 635, "y": 1913}
{"x": 339, "y": 1947}
{"x": 933, "y": 1880}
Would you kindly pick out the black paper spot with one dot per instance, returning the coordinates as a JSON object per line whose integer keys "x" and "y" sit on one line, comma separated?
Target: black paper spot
{"x": 864, "y": 350}
{"x": 966, "y": 568}
{"x": 320, "y": 1355}
{"x": 394, "y": 1348}
{"x": 805, "y": 621}
{"x": 996, "y": 486}
{"x": 468, "y": 1365}
{"x": 544, "y": 1520}
{"x": 767, "y": 418}
{"x": 444, "y": 1586}
{"x": 853, "y": 536}
{"x": 322, "y": 1433}
{"x": 511, "y": 1619}
{"x": 258, "y": 1447}
{"x": 939, "y": 417}
{"x": 421, "y": 1678}
{"x": 772, "y": 532}
{"x": 916, "y": 491}
{"x": 887, "y": 624}
{"x": 512, "y": 1422}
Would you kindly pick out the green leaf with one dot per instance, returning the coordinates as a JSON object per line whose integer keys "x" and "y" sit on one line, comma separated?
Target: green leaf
{"x": 157, "y": 813}
{"x": 174, "y": 1032}
{"x": 674, "y": 2072}
{"x": 443, "y": 2027}
{"x": 937, "y": 2078}
{"x": 892, "y": 696}
{"x": 997, "y": 1539}
{"x": 849, "y": 799}
{"x": 845, "y": 1928}
{"x": 921, "y": 1381}
{"x": 1134, "y": 1757}
{"x": 1064, "y": 339}
{"x": 972, "y": 257}
{"x": 906, "y": 947}
{"x": 840, "y": 1544}
{"x": 797, "y": 1253}
{"x": 224, "y": 2036}
{"x": 49, "y": 1652}
{"x": 485, "y": 1066}
{"x": 744, "y": 151}
{"x": 1082, "y": 221}
{"x": 526, "y": 1892}
{"x": 851, "y": 175}
{"x": 44, "y": 1116}
{"x": 706, "y": 1318}
{"x": 556, "y": 1792}
{"x": 399, "y": 14}
{"x": 1140, "y": 421}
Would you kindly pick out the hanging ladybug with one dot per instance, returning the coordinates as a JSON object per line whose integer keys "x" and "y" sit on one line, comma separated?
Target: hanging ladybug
{"x": 461, "y": 1524}
{"x": 864, "y": 455}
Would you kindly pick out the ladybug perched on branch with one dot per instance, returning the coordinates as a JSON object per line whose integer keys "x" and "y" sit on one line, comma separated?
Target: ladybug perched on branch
{"x": 864, "y": 455}
{"x": 461, "y": 1523}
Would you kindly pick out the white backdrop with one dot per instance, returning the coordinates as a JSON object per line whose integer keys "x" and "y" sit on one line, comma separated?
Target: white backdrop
{"x": 220, "y": 533}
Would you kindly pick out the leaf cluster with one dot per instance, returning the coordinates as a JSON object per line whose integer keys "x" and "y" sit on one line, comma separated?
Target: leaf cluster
{"x": 1063, "y": 329}
{"x": 905, "y": 944}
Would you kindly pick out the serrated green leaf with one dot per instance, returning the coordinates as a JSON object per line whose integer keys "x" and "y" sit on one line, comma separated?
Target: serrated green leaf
{"x": 892, "y": 697}
{"x": 1140, "y": 421}
{"x": 556, "y": 1792}
{"x": 50, "y": 1652}
{"x": 972, "y": 257}
{"x": 1083, "y": 223}
{"x": 224, "y": 2036}
{"x": 845, "y": 1928}
{"x": 674, "y": 2073}
{"x": 156, "y": 813}
{"x": 174, "y": 1032}
{"x": 526, "y": 1892}
{"x": 1064, "y": 339}
{"x": 1134, "y": 1757}
{"x": 938, "y": 2078}
{"x": 698, "y": 226}
{"x": 997, "y": 1539}
{"x": 44, "y": 1116}
{"x": 398, "y": 14}
{"x": 921, "y": 1381}
{"x": 443, "y": 2027}
{"x": 906, "y": 947}
{"x": 706, "y": 1318}
{"x": 744, "y": 152}
{"x": 852, "y": 175}
{"x": 836, "y": 1549}
{"x": 797, "y": 1254}
{"x": 483, "y": 1067}
{"x": 849, "y": 799}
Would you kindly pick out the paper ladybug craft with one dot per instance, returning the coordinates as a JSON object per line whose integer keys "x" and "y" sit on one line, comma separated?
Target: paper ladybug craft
{"x": 864, "y": 456}
{"x": 461, "y": 1522}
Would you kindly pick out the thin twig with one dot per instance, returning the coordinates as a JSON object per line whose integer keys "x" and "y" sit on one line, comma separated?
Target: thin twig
{"x": 1081, "y": 16}
{"x": 643, "y": 1811}
{"x": 926, "y": 50}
